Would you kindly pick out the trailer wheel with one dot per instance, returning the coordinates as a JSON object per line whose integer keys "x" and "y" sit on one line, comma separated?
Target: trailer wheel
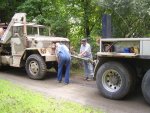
{"x": 35, "y": 67}
{"x": 146, "y": 86}
{"x": 113, "y": 80}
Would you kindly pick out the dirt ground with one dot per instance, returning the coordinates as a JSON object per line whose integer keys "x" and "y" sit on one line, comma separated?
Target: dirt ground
{"x": 84, "y": 92}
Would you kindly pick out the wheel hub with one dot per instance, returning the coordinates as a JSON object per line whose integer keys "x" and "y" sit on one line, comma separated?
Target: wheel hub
{"x": 111, "y": 80}
{"x": 114, "y": 79}
{"x": 34, "y": 67}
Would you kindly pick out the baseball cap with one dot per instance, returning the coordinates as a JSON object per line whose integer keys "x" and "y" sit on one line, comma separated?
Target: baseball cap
{"x": 84, "y": 39}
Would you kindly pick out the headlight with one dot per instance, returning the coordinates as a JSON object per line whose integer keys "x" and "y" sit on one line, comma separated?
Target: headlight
{"x": 43, "y": 51}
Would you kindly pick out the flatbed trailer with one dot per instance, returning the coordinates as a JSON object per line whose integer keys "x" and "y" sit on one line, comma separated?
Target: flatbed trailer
{"x": 122, "y": 63}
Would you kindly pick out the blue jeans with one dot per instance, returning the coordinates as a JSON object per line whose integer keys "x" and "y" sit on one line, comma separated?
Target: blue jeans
{"x": 63, "y": 60}
{"x": 88, "y": 69}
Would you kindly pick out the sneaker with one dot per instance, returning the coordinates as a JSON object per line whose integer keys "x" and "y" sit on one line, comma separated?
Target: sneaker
{"x": 59, "y": 81}
{"x": 85, "y": 78}
{"x": 89, "y": 79}
{"x": 66, "y": 83}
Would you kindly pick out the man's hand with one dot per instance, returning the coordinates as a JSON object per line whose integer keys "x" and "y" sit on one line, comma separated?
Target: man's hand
{"x": 80, "y": 55}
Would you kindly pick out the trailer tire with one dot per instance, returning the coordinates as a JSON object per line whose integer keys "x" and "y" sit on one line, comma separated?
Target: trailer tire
{"x": 36, "y": 67}
{"x": 114, "y": 80}
{"x": 146, "y": 86}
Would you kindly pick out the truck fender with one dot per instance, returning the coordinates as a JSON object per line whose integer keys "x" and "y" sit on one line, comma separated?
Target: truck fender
{"x": 97, "y": 65}
{"x": 26, "y": 54}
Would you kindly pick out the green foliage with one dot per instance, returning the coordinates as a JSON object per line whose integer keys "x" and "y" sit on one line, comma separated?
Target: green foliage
{"x": 15, "y": 99}
{"x": 76, "y": 19}
{"x": 49, "y": 13}
{"x": 129, "y": 17}
{"x": 8, "y": 8}
{"x": 72, "y": 19}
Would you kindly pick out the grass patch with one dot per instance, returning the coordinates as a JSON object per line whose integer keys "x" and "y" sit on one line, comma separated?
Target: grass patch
{"x": 77, "y": 71}
{"x": 14, "y": 99}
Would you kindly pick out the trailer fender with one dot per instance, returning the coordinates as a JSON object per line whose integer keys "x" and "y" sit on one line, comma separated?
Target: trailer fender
{"x": 98, "y": 63}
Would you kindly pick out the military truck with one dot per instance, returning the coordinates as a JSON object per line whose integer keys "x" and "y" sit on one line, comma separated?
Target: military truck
{"x": 122, "y": 65}
{"x": 28, "y": 45}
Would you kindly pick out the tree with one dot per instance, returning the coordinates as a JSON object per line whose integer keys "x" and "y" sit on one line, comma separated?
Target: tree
{"x": 129, "y": 17}
{"x": 74, "y": 19}
{"x": 48, "y": 12}
{"x": 8, "y": 8}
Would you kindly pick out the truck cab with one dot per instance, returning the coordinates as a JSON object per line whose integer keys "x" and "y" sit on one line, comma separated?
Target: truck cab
{"x": 29, "y": 45}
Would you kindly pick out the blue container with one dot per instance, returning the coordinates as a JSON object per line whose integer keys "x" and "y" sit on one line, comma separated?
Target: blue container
{"x": 126, "y": 50}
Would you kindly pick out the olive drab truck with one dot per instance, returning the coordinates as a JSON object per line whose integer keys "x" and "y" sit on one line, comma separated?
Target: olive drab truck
{"x": 28, "y": 45}
{"x": 121, "y": 64}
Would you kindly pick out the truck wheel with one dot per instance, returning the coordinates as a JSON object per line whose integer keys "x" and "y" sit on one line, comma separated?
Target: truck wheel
{"x": 35, "y": 67}
{"x": 113, "y": 80}
{"x": 146, "y": 86}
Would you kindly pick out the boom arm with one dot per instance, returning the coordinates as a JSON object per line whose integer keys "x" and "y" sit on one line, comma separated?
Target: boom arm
{"x": 17, "y": 18}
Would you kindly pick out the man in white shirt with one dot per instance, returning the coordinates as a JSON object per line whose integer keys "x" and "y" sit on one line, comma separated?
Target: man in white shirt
{"x": 85, "y": 52}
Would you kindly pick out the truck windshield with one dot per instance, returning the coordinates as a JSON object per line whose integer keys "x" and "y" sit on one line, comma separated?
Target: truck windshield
{"x": 44, "y": 31}
{"x": 37, "y": 31}
{"x": 18, "y": 29}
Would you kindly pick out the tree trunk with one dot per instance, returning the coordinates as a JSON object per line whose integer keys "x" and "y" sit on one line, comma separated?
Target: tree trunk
{"x": 86, "y": 4}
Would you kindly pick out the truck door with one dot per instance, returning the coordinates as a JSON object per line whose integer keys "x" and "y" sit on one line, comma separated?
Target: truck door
{"x": 17, "y": 46}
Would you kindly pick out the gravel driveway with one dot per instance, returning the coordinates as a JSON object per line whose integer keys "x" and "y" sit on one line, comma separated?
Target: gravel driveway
{"x": 84, "y": 92}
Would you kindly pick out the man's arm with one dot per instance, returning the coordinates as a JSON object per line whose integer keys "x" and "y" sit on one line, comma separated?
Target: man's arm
{"x": 86, "y": 51}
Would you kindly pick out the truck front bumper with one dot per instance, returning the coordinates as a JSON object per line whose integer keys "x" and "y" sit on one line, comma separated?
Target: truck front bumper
{"x": 50, "y": 58}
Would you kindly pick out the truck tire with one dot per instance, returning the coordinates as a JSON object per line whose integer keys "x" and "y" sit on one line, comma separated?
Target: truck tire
{"x": 114, "y": 80}
{"x": 36, "y": 67}
{"x": 146, "y": 86}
